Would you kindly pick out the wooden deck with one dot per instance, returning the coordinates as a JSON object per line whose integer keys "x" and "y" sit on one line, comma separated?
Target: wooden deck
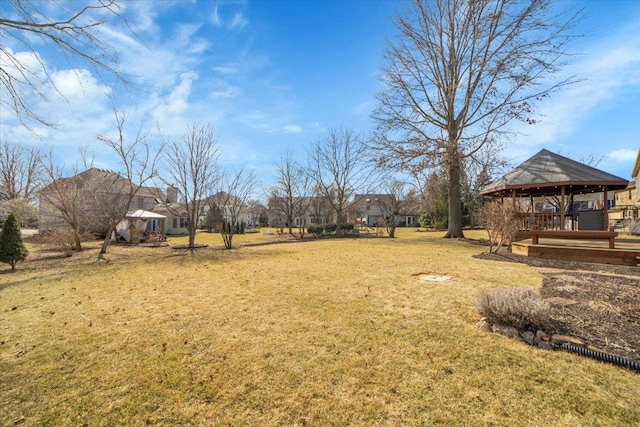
{"x": 627, "y": 251}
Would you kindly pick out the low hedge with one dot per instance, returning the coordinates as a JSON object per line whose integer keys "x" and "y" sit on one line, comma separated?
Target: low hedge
{"x": 327, "y": 228}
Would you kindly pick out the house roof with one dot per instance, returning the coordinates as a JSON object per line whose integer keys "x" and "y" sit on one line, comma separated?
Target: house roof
{"x": 636, "y": 168}
{"x": 114, "y": 180}
{"x": 546, "y": 172}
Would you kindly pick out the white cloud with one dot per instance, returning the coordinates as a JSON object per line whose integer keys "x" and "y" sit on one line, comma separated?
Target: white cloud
{"x": 239, "y": 21}
{"x": 292, "y": 129}
{"x": 78, "y": 85}
{"x": 215, "y": 17}
{"x": 223, "y": 89}
{"x": 17, "y": 63}
{"x": 226, "y": 69}
{"x": 623, "y": 155}
{"x": 168, "y": 109}
{"x": 185, "y": 37}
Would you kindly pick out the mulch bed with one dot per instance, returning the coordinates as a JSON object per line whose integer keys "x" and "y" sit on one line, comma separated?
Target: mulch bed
{"x": 597, "y": 303}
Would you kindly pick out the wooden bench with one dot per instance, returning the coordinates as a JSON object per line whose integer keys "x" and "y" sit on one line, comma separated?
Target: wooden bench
{"x": 574, "y": 234}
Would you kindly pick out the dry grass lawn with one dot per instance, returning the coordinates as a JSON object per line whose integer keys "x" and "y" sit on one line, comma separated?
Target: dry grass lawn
{"x": 327, "y": 332}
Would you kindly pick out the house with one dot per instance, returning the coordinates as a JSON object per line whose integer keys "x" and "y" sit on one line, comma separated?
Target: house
{"x": 625, "y": 205}
{"x": 626, "y": 202}
{"x": 371, "y": 210}
{"x": 316, "y": 210}
{"x": 176, "y": 217}
{"x": 230, "y": 207}
{"x": 89, "y": 198}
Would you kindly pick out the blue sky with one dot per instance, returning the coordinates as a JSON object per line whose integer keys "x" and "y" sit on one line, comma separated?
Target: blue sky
{"x": 271, "y": 76}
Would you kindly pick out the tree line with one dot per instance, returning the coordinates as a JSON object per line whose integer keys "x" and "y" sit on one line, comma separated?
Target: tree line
{"x": 456, "y": 76}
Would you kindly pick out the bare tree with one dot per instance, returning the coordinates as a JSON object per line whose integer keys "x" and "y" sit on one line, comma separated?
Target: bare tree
{"x": 64, "y": 201}
{"x": 339, "y": 168}
{"x": 457, "y": 74}
{"x": 70, "y": 30}
{"x": 479, "y": 170}
{"x": 24, "y": 211}
{"x": 232, "y": 198}
{"x": 137, "y": 162}
{"x": 193, "y": 168}
{"x": 397, "y": 201}
{"x": 319, "y": 208}
{"x": 20, "y": 172}
{"x": 289, "y": 197}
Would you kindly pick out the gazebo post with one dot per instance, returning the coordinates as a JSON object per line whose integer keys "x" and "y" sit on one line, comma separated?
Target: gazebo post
{"x": 605, "y": 222}
{"x": 562, "y": 194}
{"x": 573, "y": 214}
{"x": 532, "y": 218}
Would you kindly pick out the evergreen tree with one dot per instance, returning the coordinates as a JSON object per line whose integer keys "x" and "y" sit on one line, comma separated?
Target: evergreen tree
{"x": 12, "y": 248}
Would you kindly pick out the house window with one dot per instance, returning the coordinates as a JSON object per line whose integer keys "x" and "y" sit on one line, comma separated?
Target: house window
{"x": 368, "y": 207}
{"x": 175, "y": 222}
{"x": 140, "y": 202}
{"x": 183, "y": 220}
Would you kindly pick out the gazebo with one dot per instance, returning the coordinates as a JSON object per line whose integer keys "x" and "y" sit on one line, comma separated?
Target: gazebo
{"x": 140, "y": 219}
{"x": 551, "y": 175}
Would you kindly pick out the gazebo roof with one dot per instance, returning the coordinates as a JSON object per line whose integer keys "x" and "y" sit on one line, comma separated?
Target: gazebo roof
{"x": 142, "y": 214}
{"x": 546, "y": 173}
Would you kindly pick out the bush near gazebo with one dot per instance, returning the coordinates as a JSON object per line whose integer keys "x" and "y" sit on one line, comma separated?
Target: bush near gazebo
{"x": 12, "y": 247}
{"x": 501, "y": 222}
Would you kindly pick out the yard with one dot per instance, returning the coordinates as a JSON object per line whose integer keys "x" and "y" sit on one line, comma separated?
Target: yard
{"x": 325, "y": 332}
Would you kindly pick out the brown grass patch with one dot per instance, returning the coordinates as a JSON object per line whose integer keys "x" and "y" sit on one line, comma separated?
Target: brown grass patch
{"x": 327, "y": 332}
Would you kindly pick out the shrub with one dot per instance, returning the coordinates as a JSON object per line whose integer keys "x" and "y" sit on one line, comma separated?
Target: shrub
{"x": 501, "y": 222}
{"x": 441, "y": 224}
{"x": 522, "y": 308}
{"x": 136, "y": 235}
{"x": 634, "y": 227}
{"x": 64, "y": 239}
{"x": 12, "y": 248}
{"x": 346, "y": 227}
{"x": 329, "y": 228}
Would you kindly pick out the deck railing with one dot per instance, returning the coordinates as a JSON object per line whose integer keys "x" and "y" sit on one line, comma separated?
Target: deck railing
{"x": 544, "y": 220}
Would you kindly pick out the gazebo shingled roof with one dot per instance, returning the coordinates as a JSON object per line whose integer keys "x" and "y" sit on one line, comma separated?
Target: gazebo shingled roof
{"x": 546, "y": 173}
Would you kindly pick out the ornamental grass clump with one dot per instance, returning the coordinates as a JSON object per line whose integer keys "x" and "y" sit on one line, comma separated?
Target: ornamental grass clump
{"x": 522, "y": 308}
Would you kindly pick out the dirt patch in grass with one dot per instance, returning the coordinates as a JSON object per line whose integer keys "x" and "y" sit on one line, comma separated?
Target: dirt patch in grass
{"x": 605, "y": 312}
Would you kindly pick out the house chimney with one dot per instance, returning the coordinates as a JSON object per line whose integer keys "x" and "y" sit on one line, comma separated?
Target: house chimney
{"x": 172, "y": 194}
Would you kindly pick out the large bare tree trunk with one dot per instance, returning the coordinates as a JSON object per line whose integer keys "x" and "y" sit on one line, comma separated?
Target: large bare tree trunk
{"x": 339, "y": 223}
{"x": 454, "y": 229}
